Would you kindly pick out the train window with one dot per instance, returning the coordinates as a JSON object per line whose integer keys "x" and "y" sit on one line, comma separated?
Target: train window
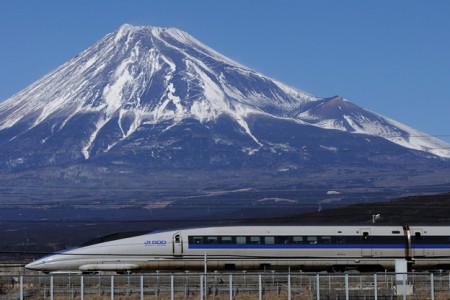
{"x": 297, "y": 240}
{"x": 255, "y": 240}
{"x": 395, "y": 232}
{"x": 340, "y": 240}
{"x": 312, "y": 240}
{"x": 197, "y": 240}
{"x": 281, "y": 240}
{"x": 211, "y": 240}
{"x": 227, "y": 240}
{"x": 241, "y": 240}
{"x": 268, "y": 240}
{"x": 325, "y": 240}
{"x": 417, "y": 235}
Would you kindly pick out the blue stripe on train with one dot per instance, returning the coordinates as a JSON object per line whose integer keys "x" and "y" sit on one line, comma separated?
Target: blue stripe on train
{"x": 294, "y": 246}
{"x": 315, "y": 246}
{"x": 431, "y": 246}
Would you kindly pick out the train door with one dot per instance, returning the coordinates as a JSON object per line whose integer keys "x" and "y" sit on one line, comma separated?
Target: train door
{"x": 177, "y": 244}
{"x": 366, "y": 243}
{"x": 417, "y": 242}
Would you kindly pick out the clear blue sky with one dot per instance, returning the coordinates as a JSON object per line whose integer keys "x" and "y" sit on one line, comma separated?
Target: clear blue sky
{"x": 391, "y": 57}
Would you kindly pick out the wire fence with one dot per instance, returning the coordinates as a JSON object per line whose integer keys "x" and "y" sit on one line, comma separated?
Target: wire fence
{"x": 239, "y": 285}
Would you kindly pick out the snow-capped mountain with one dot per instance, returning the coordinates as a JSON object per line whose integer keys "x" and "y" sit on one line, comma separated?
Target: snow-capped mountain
{"x": 147, "y": 75}
{"x": 155, "y": 98}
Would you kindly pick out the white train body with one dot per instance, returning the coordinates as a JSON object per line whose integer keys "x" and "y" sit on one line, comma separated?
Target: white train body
{"x": 261, "y": 247}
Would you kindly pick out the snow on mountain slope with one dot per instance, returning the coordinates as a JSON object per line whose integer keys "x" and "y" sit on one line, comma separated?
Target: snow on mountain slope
{"x": 142, "y": 75}
{"x": 338, "y": 113}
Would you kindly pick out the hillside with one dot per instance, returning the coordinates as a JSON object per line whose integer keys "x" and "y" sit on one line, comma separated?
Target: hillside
{"x": 414, "y": 210}
{"x": 27, "y": 240}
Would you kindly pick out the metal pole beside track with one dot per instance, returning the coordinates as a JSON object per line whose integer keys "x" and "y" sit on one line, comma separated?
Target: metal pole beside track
{"x": 112, "y": 287}
{"x": 289, "y": 286}
{"x": 171, "y": 287}
{"x": 201, "y": 286}
{"x": 259, "y": 287}
{"x": 231, "y": 286}
{"x": 404, "y": 286}
{"x": 317, "y": 286}
{"x": 432, "y": 286}
{"x": 81, "y": 287}
{"x": 21, "y": 288}
{"x": 51, "y": 287}
{"x": 347, "y": 295}
{"x": 142, "y": 287}
{"x": 206, "y": 262}
{"x": 375, "y": 287}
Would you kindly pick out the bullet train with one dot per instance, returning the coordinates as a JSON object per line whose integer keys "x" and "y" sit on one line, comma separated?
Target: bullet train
{"x": 308, "y": 248}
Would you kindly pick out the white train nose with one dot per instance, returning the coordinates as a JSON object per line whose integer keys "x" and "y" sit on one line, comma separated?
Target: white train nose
{"x": 36, "y": 265}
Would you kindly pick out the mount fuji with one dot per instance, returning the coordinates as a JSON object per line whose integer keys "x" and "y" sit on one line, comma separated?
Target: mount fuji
{"x": 154, "y": 107}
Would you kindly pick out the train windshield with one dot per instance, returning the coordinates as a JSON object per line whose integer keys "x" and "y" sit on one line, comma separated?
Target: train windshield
{"x": 113, "y": 237}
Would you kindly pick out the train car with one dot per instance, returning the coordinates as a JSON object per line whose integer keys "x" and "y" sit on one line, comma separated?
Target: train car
{"x": 429, "y": 247}
{"x": 308, "y": 248}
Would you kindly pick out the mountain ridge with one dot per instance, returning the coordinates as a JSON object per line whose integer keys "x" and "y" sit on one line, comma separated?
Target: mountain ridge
{"x": 144, "y": 100}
